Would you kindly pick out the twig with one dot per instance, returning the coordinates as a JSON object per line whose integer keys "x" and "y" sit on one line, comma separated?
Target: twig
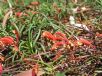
{"x": 6, "y": 18}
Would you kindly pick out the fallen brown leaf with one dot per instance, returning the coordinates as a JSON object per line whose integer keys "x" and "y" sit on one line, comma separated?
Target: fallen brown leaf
{"x": 29, "y": 73}
{"x": 7, "y": 15}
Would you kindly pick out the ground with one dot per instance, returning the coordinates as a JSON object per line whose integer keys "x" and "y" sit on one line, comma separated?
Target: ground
{"x": 51, "y": 37}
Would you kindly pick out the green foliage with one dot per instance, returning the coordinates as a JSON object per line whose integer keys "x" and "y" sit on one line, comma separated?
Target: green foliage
{"x": 60, "y": 74}
{"x": 31, "y": 26}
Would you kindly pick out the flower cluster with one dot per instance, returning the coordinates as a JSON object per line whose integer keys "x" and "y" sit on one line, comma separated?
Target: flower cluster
{"x": 7, "y": 41}
{"x": 60, "y": 39}
{"x": 61, "y": 42}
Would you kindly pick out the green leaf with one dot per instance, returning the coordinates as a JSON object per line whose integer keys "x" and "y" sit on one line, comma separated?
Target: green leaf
{"x": 60, "y": 74}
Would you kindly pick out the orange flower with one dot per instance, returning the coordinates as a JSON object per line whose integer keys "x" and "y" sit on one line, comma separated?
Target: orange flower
{"x": 48, "y": 35}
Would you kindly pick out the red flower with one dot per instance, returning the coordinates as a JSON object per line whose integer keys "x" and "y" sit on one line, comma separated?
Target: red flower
{"x": 36, "y": 3}
{"x": 78, "y": 43}
{"x": 19, "y": 14}
{"x": 62, "y": 37}
{"x": 1, "y": 69}
{"x": 58, "y": 38}
{"x": 48, "y": 35}
{"x": 57, "y": 44}
{"x": 7, "y": 40}
{"x": 60, "y": 34}
{"x": 84, "y": 41}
